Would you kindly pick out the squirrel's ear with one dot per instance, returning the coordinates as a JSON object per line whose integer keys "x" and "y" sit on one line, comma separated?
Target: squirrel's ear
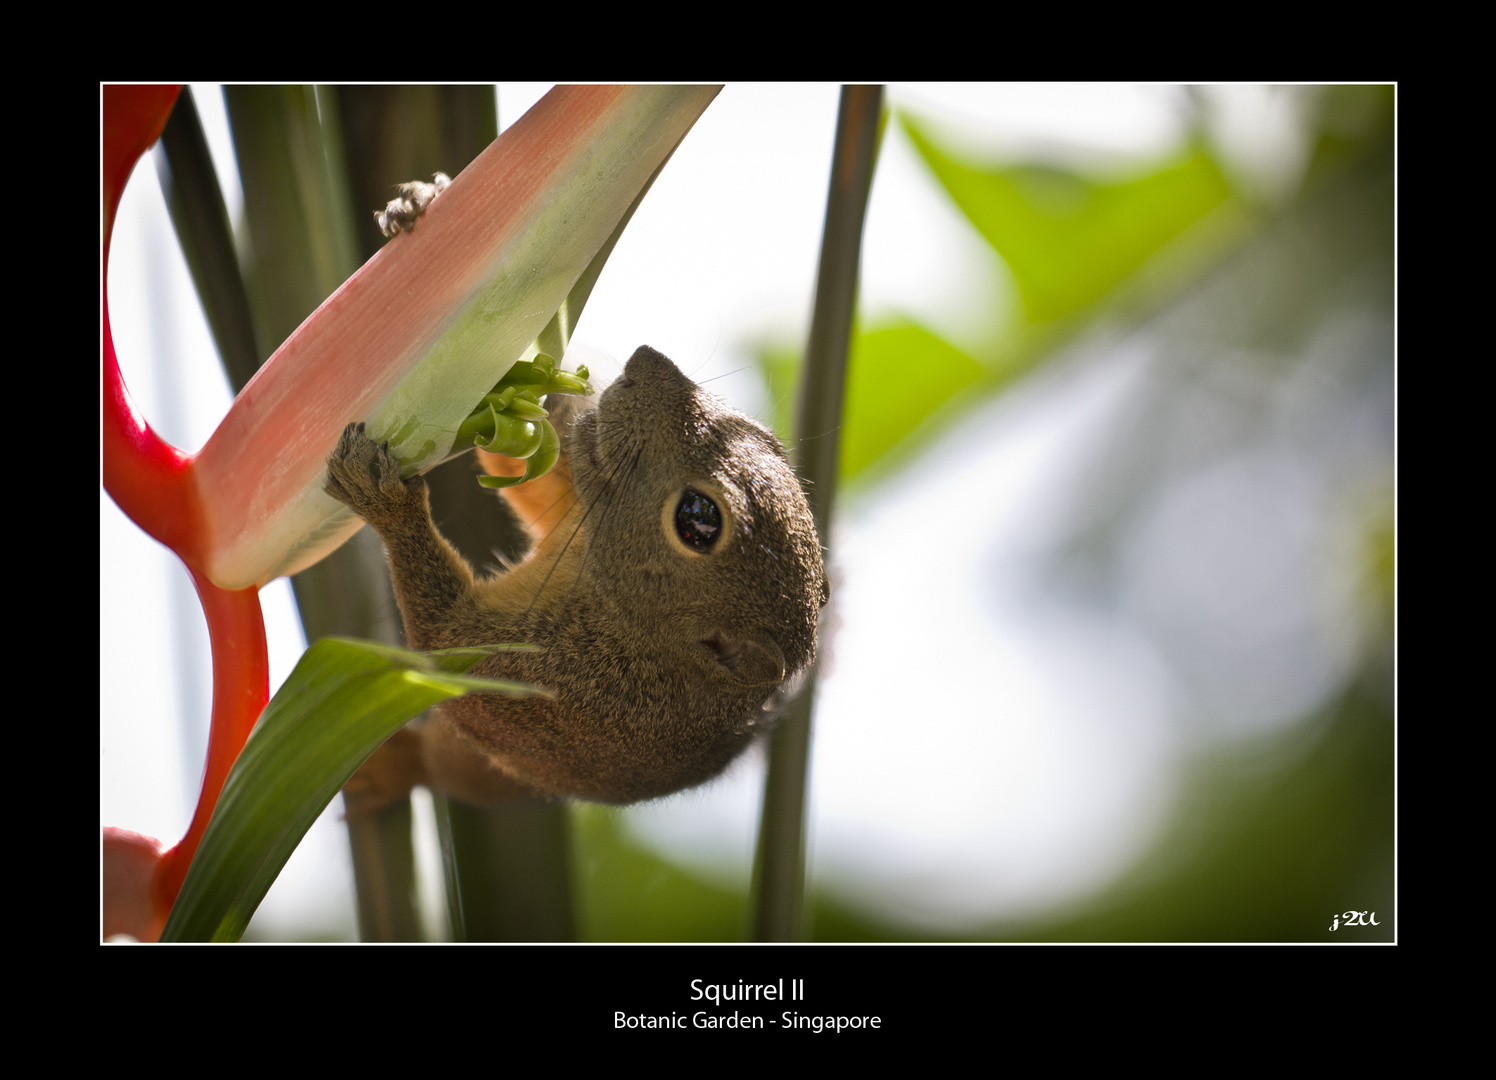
{"x": 754, "y": 662}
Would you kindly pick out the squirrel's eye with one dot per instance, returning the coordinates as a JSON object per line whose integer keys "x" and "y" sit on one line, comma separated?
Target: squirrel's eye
{"x": 698, "y": 522}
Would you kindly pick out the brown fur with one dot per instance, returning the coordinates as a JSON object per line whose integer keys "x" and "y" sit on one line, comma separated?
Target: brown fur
{"x": 662, "y": 658}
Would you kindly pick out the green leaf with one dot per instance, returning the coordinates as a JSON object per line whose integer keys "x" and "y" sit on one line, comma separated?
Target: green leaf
{"x": 900, "y": 375}
{"x": 1068, "y": 239}
{"x": 344, "y": 699}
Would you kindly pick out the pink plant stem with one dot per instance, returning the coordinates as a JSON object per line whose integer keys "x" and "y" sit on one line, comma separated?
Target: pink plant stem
{"x": 241, "y": 686}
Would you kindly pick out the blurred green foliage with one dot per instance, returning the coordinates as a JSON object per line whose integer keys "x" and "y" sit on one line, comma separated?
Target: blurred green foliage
{"x": 1300, "y": 821}
{"x": 1379, "y": 550}
{"x": 624, "y": 892}
{"x": 1069, "y": 239}
{"x": 1351, "y": 119}
{"x": 1297, "y": 822}
{"x": 899, "y": 374}
{"x": 1071, "y": 243}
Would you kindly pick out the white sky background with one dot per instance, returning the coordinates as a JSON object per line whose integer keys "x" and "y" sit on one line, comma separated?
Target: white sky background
{"x": 1015, "y": 759}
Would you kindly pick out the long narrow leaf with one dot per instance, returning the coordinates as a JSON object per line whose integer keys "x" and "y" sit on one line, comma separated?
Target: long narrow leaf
{"x": 343, "y": 700}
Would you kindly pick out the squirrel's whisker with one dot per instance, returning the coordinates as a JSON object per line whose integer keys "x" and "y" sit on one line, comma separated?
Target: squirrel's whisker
{"x": 603, "y": 521}
{"x": 724, "y": 375}
{"x": 568, "y": 494}
{"x": 772, "y": 409}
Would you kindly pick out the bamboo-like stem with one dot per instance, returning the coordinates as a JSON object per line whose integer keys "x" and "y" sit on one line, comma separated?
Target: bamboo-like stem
{"x": 779, "y": 870}
{"x": 511, "y": 866}
{"x": 384, "y": 874}
{"x": 201, "y": 220}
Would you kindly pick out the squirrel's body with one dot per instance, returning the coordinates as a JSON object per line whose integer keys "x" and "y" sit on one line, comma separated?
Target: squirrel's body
{"x": 678, "y": 592}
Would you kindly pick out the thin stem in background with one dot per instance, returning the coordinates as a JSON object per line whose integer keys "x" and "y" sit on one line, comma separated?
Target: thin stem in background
{"x": 195, "y": 201}
{"x": 779, "y": 870}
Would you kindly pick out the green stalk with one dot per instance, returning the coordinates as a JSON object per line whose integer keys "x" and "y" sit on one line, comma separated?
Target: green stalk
{"x": 300, "y": 231}
{"x": 195, "y": 201}
{"x": 508, "y": 870}
{"x": 779, "y": 865}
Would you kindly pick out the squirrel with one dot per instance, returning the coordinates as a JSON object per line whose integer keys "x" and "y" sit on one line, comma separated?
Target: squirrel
{"x": 676, "y": 594}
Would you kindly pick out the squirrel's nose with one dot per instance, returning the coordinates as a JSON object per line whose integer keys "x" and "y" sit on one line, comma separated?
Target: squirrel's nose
{"x": 648, "y": 365}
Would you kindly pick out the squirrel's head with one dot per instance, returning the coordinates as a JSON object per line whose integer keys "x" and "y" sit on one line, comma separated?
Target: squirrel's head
{"x": 703, "y": 533}
{"x": 697, "y": 596}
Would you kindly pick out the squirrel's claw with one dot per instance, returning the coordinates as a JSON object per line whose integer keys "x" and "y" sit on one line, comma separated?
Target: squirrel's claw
{"x": 365, "y": 477}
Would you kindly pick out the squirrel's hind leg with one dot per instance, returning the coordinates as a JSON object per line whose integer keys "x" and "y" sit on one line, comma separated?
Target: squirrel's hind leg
{"x": 431, "y": 579}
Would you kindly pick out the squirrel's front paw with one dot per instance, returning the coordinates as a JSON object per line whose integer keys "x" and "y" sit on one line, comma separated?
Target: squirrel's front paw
{"x": 365, "y": 477}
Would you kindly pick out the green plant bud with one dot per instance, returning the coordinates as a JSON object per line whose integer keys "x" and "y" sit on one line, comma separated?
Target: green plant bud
{"x": 514, "y": 437}
{"x": 526, "y": 374}
{"x": 526, "y": 407}
{"x": 479, "y": 425}
{"x": 500, "y": 399}
{"x": 544, "y": 366}
{"x": 511, "y": 421}
{"x": 541, "y": 376}
{"x": 545, "y": 456}
{"x": 538, "y": 463}
{"x": 564, "y": 382}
